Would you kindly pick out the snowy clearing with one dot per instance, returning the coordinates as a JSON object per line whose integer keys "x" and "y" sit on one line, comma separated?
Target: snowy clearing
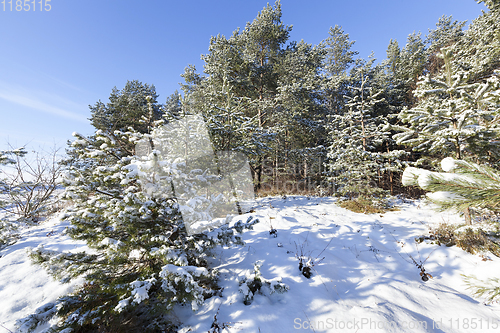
{"x": 365, "y": 282}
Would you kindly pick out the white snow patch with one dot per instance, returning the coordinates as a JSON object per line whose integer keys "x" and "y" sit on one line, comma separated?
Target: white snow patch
{"x": 448, "y": 164}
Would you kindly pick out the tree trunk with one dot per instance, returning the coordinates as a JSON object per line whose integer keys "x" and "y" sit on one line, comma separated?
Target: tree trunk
{"x": 468, "y": 219}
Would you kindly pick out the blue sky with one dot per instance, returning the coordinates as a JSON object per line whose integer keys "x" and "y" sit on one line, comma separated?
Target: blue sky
{"x": 54, "y": 64}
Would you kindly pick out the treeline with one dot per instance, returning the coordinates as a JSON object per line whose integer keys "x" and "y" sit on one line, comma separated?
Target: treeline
{"x": 318, "y": 118}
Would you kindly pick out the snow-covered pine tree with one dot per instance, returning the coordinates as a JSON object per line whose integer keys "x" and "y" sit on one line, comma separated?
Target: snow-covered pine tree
{"x": 135, "y": 105}
{"x": 299, "y": 118}
{"x": 338, "y": 60}
{"x": 7, "y": 228}
{"x": 6, "y": 159}
{"x": 224, "y": 108}
{"x": 454, "y": 115}
{"x": 173, "y": 105}
{"x": 403, "y": 67}
{"x": 258, "y": 91}
{"x": 447, "y": 33}
{"x": 353, "y": 161}
{"x": 393, "y": 79}
{"x": 141, "y": 261}
{"x": 413, "y": 58}
{"x": 478, "y": 52}
{"x": 5, "y": 155}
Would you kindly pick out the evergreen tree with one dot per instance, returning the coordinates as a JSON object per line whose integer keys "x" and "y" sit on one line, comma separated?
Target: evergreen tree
{"x": 398, "y": 86}
{"x": 134, "y": 106}
{"x": 491, "y": 4}
{"x": 393, "y": 61}
{"x": 463, "y": 185}
{"x": 299, "y": 118}
{"x": 5, "y": 155}
{"x": 453, "y": 114}
{"x": 142, "y": 260}
{"x": 403, "y": 67}
{"x": 338, "y": 60}
{"x": 447, "y": 33}
{"x": 353, "y": 160}
{"x": 391, "y": 78}
{"x": 413, "y": 57}
{"x": 262, "y": 42}
{"x": 478, "y": 52}
{"x": 7, "y": 228}
{"x": 173, "y": 105}
{"x": 257, "y": 90}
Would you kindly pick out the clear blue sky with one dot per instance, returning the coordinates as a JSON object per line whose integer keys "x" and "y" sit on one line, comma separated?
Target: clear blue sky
{"x": 53, "y": 64}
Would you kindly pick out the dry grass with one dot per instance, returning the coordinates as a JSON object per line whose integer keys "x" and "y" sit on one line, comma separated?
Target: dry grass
{"x": 366, "y": 206}
{"x": 475, "y": 241}
{"x": 472, "y": 241}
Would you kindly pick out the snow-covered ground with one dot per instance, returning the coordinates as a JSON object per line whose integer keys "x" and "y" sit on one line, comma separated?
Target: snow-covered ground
{"x": 25, "y": 286}
{"x": 365, "y": 282}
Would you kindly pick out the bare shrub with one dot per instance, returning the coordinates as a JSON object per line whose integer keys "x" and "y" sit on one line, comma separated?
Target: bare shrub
{"x": 28, "y": 184}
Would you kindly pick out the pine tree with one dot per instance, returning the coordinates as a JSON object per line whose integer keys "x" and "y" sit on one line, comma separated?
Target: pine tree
{"x": 491, "y": 4}
{"x": 257, "y": 91}
{"x": 134, "y": 106}
{"x": 393, "y": 57}
{"x": 463, "y": 185}
{"x": 454, "y": 114}
{"x": 143, "y": 259}
{"x": 402, "y": 68}
{"x": 262, "y": 42}
{"x": 338, "y": 60}
{"x": 478, "y": 52}
{"x": 299, "y": 118}
{"x": 388, "y": 78}
{"x": 173, "y": 105}
{"x": 447, "y": 33}
{"x": 413, "y": 58}
{"x": 7, "y": 228}
{"x": 353, "y": 160}
{"x": 5, "y": 158}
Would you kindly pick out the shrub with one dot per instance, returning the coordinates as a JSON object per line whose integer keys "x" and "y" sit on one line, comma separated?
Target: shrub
{"x": 470, "y": 240}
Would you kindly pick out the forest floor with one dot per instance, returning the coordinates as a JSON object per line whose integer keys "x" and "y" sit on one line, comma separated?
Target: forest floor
{"x": 364, "y": 274}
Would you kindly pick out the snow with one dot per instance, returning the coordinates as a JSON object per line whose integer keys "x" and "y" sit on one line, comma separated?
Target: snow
{"x": 183, "y": 271}
{"x": 444, "y": 196}
{"x": 363, "y": 279}
{"x": 366, "y": 283}
{"x": 140, "y": 289}
{"x": 425, "y": 179}
{"x": 24, "y": 286}
{"x": 448, "y": 164}
{"x": 112, "y": 242}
